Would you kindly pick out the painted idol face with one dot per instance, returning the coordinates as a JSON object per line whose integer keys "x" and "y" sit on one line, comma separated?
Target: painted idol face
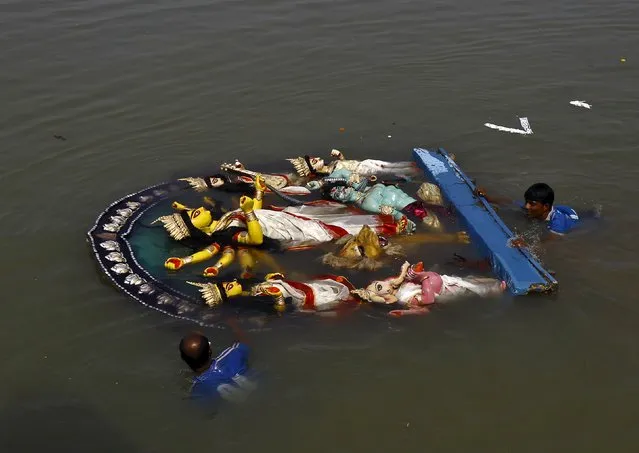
{"x": 317, "y": 163}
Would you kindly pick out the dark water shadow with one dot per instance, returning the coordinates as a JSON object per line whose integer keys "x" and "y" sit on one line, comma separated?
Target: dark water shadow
{"x": 54, "y": 421}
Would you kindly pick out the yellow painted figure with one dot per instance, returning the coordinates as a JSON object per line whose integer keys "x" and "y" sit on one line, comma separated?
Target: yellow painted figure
{"x": 179, "y": 226}
{"x": 217, "y": 293}
{"x": 320, "y": 294}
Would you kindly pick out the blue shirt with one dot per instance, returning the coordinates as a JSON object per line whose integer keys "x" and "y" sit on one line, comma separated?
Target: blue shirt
{"x": 225, "y": 379}
{"x": 562, "y": 219}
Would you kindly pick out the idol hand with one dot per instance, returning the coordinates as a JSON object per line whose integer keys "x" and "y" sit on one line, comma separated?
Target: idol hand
{"x": 174, "y": 263}
{"x": 246, "y": 203}
{"x": 337, "y": 153}
{"x": 211, "y": 271}
{"x": 260, "y": 184}
{"x": 313, "y": 185}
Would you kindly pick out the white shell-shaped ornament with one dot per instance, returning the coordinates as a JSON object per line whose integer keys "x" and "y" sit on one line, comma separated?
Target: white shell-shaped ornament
{"x": 184, "y": 307}
{"x": 116, "y": 257}
{"x": 165, "y": 299}
{"x": 126, "y": 212}
{"x": 145, "y": 288}
{"x": 110, "y": 246}
{"x": 121, "y": 268}
{"x": 133, "y": 279}
{"x": 117, "y": 219}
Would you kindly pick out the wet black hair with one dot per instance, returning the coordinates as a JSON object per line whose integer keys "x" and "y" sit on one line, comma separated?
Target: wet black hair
{"x": 310, "y": 166}
{"x": 195, "y": 351}
{"x": 540, "y": 192}
{"x": 193, "y": 231}
{"x": 221, "y": 176}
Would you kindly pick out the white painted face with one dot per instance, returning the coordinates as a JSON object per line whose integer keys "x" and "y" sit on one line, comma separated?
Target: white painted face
{"x": 380, "y": 287}
{"x": 216, "y": 182}
{"x": 317, "y": 163}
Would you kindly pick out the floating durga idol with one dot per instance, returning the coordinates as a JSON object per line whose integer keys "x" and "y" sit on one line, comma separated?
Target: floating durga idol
{"x": 522, "y": 272}
{"x": 149, "y": 244}
{"x": 152, "y": 246}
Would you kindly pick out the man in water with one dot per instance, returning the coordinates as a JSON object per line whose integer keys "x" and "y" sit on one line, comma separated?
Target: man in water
{"x": 539, "y": 204}
{"x": 222, "y": 377}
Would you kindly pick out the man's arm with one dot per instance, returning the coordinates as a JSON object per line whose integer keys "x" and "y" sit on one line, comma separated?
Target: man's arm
{"x": 492, "y": 199}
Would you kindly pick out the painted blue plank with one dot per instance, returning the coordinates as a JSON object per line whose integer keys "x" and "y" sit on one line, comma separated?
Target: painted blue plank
{"x": 522, "y": 271}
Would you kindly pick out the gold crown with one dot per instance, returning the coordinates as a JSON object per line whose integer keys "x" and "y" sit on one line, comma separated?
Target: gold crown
{"x": 301, "y": 167}
{"x": 174, "y": 224}
{"x": 198, "y": 184}
{"x": 211, "y": 293}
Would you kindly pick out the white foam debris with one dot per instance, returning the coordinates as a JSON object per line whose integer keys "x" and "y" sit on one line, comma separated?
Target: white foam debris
{"x": 583, "y": 104}
{"x": 525, "y": 127}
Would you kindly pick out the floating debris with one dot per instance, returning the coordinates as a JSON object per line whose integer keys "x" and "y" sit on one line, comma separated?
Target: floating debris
{"x": 525, "y": 130}
{"x": 59, "y": 137}
{"x": 133, "y": 205}
{"x": 583, "y": 104}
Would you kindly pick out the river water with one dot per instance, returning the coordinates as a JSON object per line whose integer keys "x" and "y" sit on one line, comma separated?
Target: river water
{"x": 146, "y": 91}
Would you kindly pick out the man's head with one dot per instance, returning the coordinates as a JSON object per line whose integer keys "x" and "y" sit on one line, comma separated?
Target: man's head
{"x": 195, "y": 351}
{"x": 539, "y": 199}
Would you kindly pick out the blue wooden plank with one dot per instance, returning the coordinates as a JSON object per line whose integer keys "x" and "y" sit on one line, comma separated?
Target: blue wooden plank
{"x": 521, "y": 270}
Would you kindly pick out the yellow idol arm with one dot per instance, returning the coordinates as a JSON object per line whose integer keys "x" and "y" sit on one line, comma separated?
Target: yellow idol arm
{"x": 247, "y": 262}
{"x": 279, "y": 303}
{"x": 179, "y": 206}
{"x": 254, "y": 234}
{"x": 197, "y": 257}
{"x": 260, "y": 188}
{"x": 228, "y": 255}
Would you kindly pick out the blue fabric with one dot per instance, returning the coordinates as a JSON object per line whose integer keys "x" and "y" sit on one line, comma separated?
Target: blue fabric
{"x": 225, "y": 379}
{"x": 562, "y": 219}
